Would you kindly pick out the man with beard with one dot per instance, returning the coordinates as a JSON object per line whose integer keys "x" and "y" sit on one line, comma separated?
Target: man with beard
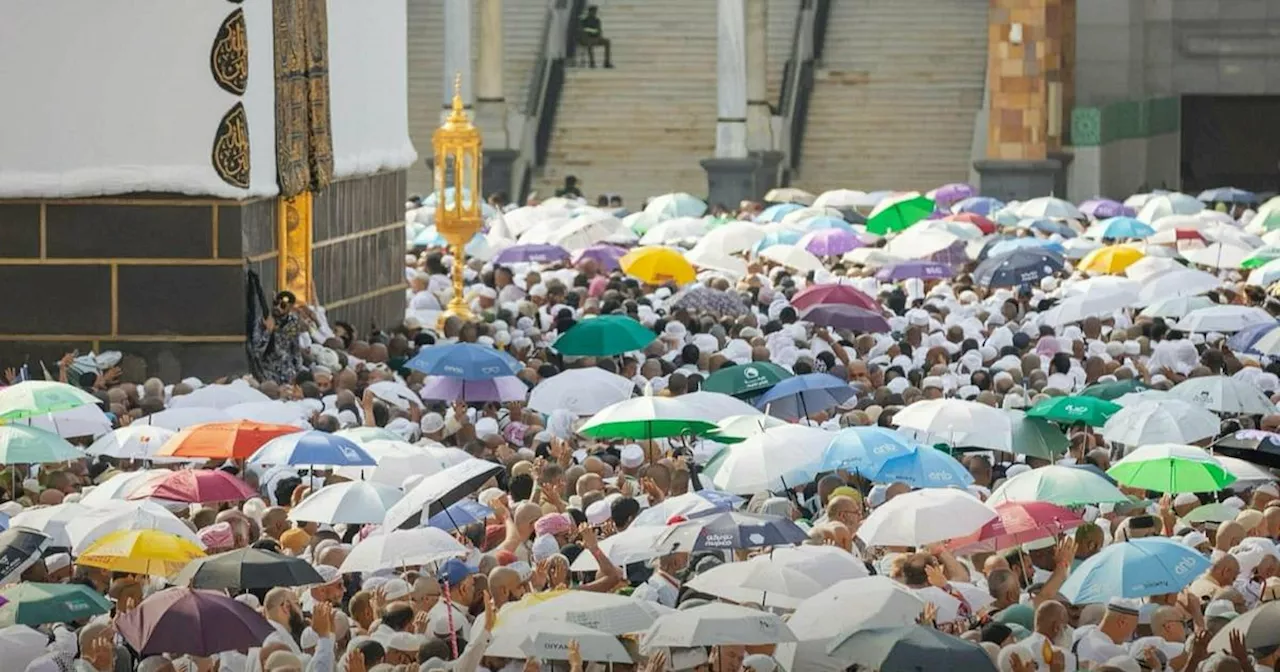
{"x": 1046, "y": 644}
{"x": 281, "y": 609}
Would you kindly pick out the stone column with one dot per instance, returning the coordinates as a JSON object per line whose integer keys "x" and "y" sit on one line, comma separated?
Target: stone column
{"x": 457, "y": 53}
{"x": 760, "y": 142}
{"x": 491, "y": 100}
{"x": 731, "y": 174}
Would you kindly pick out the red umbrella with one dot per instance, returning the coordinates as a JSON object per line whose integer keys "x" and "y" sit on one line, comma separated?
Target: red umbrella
{"x": 1018, "y": 523}
{"x": 195, "y": 486}
{"x": 988, "y": 227}
{"x": 196, "y": 622}
{"x": 833, "y": 293}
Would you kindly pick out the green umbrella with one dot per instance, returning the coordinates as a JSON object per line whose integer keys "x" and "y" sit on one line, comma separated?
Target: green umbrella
{"x": 1115, "y": 390}
{"x": 38, "y": 397}
{"x": 1036, "y": 437}
{"x": 1261, "y": 256}
{"x": 900, "y": 215}
{"x": 20, "y": 444}
{"x": 1091, "y": 411}
{"x": 604, "y": 336}
{"x": 746, "y": 380}
{"x": 645, "y": 418}
{"x": 40, "y": 603}
{"x": 1172, "y": 467}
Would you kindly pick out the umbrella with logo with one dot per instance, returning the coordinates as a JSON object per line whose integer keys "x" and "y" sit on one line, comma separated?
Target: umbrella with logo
{"x": 1018, "y": 267}
{"x": 864, "y": 450}
{"x": 1069, "y": 410}
{"x": 923, "y": 467}
{"x": 19, "y": 548}
{"x": 33, "y": 603}
{"x": 312, "y": 448}
{"x": 904, "y": 270}
{"x": 549, "y": 640}
{"x": 464, "y": 360}
{"x": 1132, "y": 569}
{"x": 177, "y": 621}
{"x": 1224, "y": 394}
{"x": 746, "y": 380}
{"x": 1170, "y": 467}
{"x": 730, "y": 530}
{"x": 604, "y": 336}
{"x": 247, "y": 569}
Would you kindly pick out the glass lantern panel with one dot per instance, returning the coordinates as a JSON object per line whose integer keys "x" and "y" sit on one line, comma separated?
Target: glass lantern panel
{"x": 466, "y": 177}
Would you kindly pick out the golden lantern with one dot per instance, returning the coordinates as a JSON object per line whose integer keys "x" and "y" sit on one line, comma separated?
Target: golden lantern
{"x": 457, "y": 148}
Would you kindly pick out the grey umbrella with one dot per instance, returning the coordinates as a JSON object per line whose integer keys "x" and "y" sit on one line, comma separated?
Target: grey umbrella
{"x": 247, "y": 569}
{"x": 913, "y": 648}
{"x": 1261, "y": 628}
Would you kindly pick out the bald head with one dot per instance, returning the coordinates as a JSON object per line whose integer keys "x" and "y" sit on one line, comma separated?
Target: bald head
{"x": 504, "y": 582}
{"x": 1051, "y": 617}
{"x": 156, "y": 664}
{"x": 51, "y": 497}
{"x": 1229, "y": 535}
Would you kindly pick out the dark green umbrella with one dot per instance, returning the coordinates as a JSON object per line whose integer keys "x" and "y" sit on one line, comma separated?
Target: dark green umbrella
{"x": 40, "y": 603}
{"x": 1037, "y": 437}
{"x": 1091, "y": 411}
{"x": 247, "y": 569}
{"x": 1114, "y": 390}
{"x": 746, "y": 380}
{"x": 604, "y": 336}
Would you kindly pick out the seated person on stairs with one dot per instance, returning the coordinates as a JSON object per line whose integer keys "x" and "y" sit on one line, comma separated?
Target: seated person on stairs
{"x": 591, "y": 35}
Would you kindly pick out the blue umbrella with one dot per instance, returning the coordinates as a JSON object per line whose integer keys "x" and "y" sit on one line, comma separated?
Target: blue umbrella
{"x": 1243, "y": 340}
{"x": 785, "y": 237}
{"x": 1019, "y": 267}
{"x": 460, "y": 514}
{"x": 540, "y": 253}
{"x": 978, "y": 205}
{"x": 313, "y": 448}
{"x": 1139, "y": 568}
{"x": 1124, "y": 227}
{"x": 799, "y": 396}
{"x": 827, "y": 222}
{"x": 1049, "y": 226}
{"x": 1227, "y": 195}
{"x": 924, "y": 467}
{"x": 865, "y": 449}
{"x": 467, "y": 361}
{"x": 775, "y": 213}
{"x": 1007, "y": 246}
{"x": 928, "y": 270}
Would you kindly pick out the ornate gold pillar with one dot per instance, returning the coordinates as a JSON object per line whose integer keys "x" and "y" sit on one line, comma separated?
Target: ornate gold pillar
{"x": 295, "y": 235}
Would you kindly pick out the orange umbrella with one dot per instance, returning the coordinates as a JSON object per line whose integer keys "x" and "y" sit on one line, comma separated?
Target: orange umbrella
{"x": 223, "y": 440}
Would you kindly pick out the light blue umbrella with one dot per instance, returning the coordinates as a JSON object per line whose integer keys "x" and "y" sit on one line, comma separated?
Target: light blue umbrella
{"x": 784, "y": 237}
{"x": 924, "y": 467}
{"x": 978, "y": 205}
{"x": 670, "y": 206}
{"x": 313, "y": 448}
{"x": 776, "y": 212}
{"x": 864, "y": 450}
{"x": 1139, "y": 568}
{"x": 1124, "y": 227}
{"x": 1013, "y": 244}
{"x": 460, "y": 514}
{"x": 1227, "y": 195}
{"x": 799, "y": 396}
{"x": 467, "y": 361}
{"x": 431, "y": 237}
{"x": 1047, "y": 226}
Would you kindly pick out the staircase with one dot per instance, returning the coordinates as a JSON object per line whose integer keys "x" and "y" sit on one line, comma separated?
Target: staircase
{"x": 896, "y": 95}
{"x": 640, "y": 129}
{"x": 780, "y": 31}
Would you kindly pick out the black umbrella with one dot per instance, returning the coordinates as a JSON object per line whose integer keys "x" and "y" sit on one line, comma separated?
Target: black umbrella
{"x": 731, "y": 529}
{"x": 437, "y": 492}
{"x": 1251, "y": 446}
{"x": 1020, "y": 267}
{"x": 20, "y": 547}
{"x": 909, "y": 649}
{"x": 247, "y": 569}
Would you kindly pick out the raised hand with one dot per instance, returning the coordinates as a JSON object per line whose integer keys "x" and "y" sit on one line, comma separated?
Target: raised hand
{"x": 490, "y": 612}
{"x": 322, "y": 619}
{"x": 355, "y": 661}
{"x": 575, "y": 656}
{"x": 1065, "y": 553}
{"x": 937, "y": 575}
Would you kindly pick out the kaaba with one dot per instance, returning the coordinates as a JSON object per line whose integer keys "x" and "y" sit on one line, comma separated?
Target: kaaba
{"x": 155, "y": 153}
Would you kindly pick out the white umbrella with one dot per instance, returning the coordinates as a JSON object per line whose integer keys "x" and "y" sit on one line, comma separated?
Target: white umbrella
{"x": 948, "y": 606}
{"x": 1269, "y": 344}
{"x": 793, "y": 257}
{"x": 747, "y": 426}
{"x": 637, "y": 543}
{"x": 397, "y": 394}
{"x": 716, "y": 406}
{"x": 274, "y": 412}
{"x": 687, "y": 505}
{"x": 882, "y": 603}
{"x": 1184, "y": 222}
{"x": 717, "y": 623}
{"x": 586, "y": 230}
{"x": 1078, "y": 248}
{"x": 917, "y": 243}
{"x": 87, "y": 420}
{"x": 1168, "y": 421}
{"x": 824, "y": 564}
{"x": 675, "y": 204}
{"x": 1223, "y": 394}
{"x": 549, "y": 640}
{"x": 716, "y": 259}
{"x": 1162, "y": 205}
{"x": 434, "y": 493}
{"x": 119, "y": 487}
{"x": 674, "y": 231}
{"x": 353, "y": 503}
{"x": 1102, "y": 301}
{"x": 21, "y": 645}
{"x": 125, "y": 515}
{"x": 789, "y": 195}
{"x": 1217, "y": 255}
{"x": 51, "y": 521}
{"x": 841, "y": 198}
{"x": 774, "y": 460}
{"x": 135, "y": 442}
{"x": 1226, "y": 319}
{"x": 1232, "y": 234}
{"x": 218, "y": 396}
{"x": 580, "y": 391}
{"x": 604, "y": 612}
{"x": 871, "y": 257}
{"x": 1176, "y": 307}
{"x": 732, "y": 237}
{"x": 1266, "y": 274}
{"x": 1247, "y": 474}
{"x": 957, "y": 422}
{"x": 1138, "y": 397}
{"x": 757, "y": 581}
{"x": 181, "y": 418}
{"x": 1185, "y": 282}
{"x": 402, "y": 548}
{"x": 1048, "y": 206}
{"x": 1149, "y": 267}
{"x": 802, "y": 216}
{"x": 923, "y": 517}
{"x": 966, "y": 231}
{"x": 398, "y": 460}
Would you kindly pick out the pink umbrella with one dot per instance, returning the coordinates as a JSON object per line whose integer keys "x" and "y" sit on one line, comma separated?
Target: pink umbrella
{"x": 1017, "y": 523}
{"x": 830, "y": 242}
{"x": 195, "y": 622}
{"x": 834, "y": 293}
{"x": 195, "y": 486}
{"x": 503, "y": 389}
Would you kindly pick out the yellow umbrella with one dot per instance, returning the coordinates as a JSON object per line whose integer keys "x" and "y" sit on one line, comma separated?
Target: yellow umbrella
{"x": 657, "y": 265}
{"x": 1111, "y": 260}
{"x": 150, "y": 552}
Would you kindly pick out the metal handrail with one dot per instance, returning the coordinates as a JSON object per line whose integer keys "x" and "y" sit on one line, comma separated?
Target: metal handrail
{"x": 543, "y": 94}
{"x": 807, "y": 42}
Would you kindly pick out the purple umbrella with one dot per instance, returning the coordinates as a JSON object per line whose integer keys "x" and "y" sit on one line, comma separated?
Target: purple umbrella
{"x": 955, "y": 192}
{"x": 954, "y": 255}
{"x": 605, "y": 255}
{"x": 539, "y": 253}
{"x": 926, "y": 270}
{"x": 502, "y": 389}
{"x": 830, "y": 242}
{"x": 845, "y": 316}
{"x": 1105, "y": 208}
{"x": 195, "y": 622}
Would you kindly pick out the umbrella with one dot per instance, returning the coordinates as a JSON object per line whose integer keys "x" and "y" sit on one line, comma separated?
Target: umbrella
{"x": 606, "y": 256}
{"x": 87, "y": 527}
{"x": 776, "y": 212}
{"x": 833, "y": 293}
{"x": 923, "y": 517}
{"x": 1225, "y": 319}
{"x": 955, "y": 192}
{"x": 219, "y": 396}
{"x": 824, "y": 564}
{"x": 33, "y": 603}
{"x": 921, "y": 242}
{"x": 1163, "y": 205}
{"x": 195, "y": 487}
{"x": 1017, "y": 523}
{"x": 958, "y": 422}
{"x": 1109, "y": 260}
{"x": 437, "y": 491}
{"x": 675, "y": 231}
{"x": 1176, "y": 307}
{"x": 460, "y": 514}
{"x": 39, "y": 397}
{"x": 468, "y": 361}
{"x": 119, "y": 487}
{"x": 134, "y": 442}
{"x": 84, "y": 420}
{"x": 757, "y": 581}
{"x": 1091, "y": 411}
{"x": 1036, "y": 437}
{"x": 841, "y": 198}
{"x": 793, "y": 257}
{"x": 22, "y": 645}
{"x": 1138, "y": 568}
{"x": 582, "y": 391}
{"x": 745, "y": 380}
{"x": 703, "y": 299}
{"x": 1265, "y": 275}
{"x": 845, "y": 316}
{"x": 181, "y": 418}
{"x": 645, "y": 418}
{"x": 632, "y": 545}
{"x": 181, "y": 621}
{"x": 717, "y": 623}
{"x": 830, "y": 242}
{"x": 1260, "y": 627}
{"x": 1048, "y": 206}
{"x": 978, "y": 205}
{"x": 739, "y": 428}
{"x": 657, "y": 265}
{"x": 899, "y": 214}
{"x": 1120, "y": 227}
{"x": 730, "y": 530}
{"x": 536, "y": 253}
{"x": 1227, "y": 195}
{"x": 986, "y": 226}
{"x": 1103, "y": 208}
{"x": 882, "y": 602}
{"x": 235, "y": 440}
{"x": 549, "y": 640}
{"x": 1247, "y": 474}
{"x": 394, "y": 393}
{"x": 1019, "y": 267}
{"x": 819, "y": 222}
{"x": 1170, "y": 467}
{"x": 908, "y": 649}
{"x": 870, "y": 257}
{"x": 1211, "y": 513}
{"x": 731, "y": 238}
{"x": 776, "y": 238}
{"x": 362, "y": 434}
{"x": 689, "y": 505}
{"x": 923, "y": 467}
{"x": 1224, "y": 394}
{"x": 602, "y": 612}
{"x": 312, "y": 448}
{"x": 247, "y": 569}
{"x": 1165, "y": 421}
{"x": 1261, "y": 257}
{"x": 904, "y": 270}
{"x": 775, "y": 459}
{"x": 503, "y": 390}
{"x": 392, "y": 548}
{"x": 21, "y": 444}
{"x": 19, "y": 548}
{"x": 716, "y": 259}
{"x": 1059, "y": 485}
{"x": 352, "y": 503}
{"x": 397, "y": 461}
{"x": 140, "y": 552}
{"x": 996, "y": 247}
{"x": 799, "y": 396}
{"x": 864, "y": 450}
{"x": 1217, "y": 255}
{"x": 51, "y": 521}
